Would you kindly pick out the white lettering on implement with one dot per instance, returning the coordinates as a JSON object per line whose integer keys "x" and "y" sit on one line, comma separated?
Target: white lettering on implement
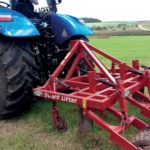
{"x": 68, "y": 99}
{"x": 38, "y": 93}
{"x": 52, "y": 97}
{"x": 60, "y": 98}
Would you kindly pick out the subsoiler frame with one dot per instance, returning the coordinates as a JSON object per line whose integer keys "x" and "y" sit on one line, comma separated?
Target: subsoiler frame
{"x": 99, "y": 89}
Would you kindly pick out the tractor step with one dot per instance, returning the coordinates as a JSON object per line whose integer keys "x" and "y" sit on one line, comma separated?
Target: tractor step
{"x": 99, "y": 89}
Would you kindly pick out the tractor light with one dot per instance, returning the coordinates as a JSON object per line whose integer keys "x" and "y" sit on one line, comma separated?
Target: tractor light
{"x": 5, "y": 18}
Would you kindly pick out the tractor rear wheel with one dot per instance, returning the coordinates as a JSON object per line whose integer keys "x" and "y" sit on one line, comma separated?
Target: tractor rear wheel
{"x": 17, "y": 75}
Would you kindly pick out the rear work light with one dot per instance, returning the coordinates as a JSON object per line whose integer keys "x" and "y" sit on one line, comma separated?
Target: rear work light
{"x": 5, "y": 18}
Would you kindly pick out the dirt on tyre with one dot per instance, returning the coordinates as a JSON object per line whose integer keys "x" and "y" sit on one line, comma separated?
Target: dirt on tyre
{"x": 143, "y": 139}
{"x": 17, "y": 76}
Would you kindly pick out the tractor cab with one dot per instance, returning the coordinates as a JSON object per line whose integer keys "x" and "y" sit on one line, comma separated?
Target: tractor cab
{"x": 52, "y": 5}
{"x": 5, "y": 4}
{"x": 42, "y": 6}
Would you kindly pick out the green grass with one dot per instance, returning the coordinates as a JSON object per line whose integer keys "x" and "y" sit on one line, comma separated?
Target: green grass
{"x": 34, "y": 130}
{"x": 126, "y": 48}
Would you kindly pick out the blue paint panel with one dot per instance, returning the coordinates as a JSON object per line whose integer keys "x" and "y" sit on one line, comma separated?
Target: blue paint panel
{"x": 65, "y": 27}
{"x": 20, "y": 26}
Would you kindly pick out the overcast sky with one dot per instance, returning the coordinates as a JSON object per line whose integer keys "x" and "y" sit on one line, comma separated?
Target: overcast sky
{"x": 107, "y": 10}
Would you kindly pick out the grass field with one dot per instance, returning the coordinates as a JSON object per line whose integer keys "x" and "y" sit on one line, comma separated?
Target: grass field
{"x": 34, "y": 130}
{"x": 126, "y": 48}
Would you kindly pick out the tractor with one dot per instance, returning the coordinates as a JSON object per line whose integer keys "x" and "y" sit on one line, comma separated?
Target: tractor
{"x": 31, "y": 49}
{"x": 47, "y": 55}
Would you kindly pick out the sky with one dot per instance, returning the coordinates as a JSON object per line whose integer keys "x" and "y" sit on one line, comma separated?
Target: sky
{"x": 106, "y": 10}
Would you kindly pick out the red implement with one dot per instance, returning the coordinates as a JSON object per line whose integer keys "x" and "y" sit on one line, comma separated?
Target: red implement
{"x": 99, "y": 89}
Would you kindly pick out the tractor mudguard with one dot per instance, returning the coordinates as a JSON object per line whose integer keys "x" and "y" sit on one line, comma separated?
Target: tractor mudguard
{"x": 65, "y": 27}
{"x": 14, "y": 24}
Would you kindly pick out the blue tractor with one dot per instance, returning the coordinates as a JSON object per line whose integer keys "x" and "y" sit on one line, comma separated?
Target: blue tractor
{"x": 30, "y": 50}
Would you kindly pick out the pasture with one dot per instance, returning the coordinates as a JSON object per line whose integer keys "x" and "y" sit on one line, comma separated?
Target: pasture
{"x": 34, "y": 130}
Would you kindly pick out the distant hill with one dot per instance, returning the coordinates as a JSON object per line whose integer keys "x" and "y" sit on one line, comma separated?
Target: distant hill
{"x": 113, "y": 24}
{"x": 90, "y": 20}
{"x": 120, "y": 28}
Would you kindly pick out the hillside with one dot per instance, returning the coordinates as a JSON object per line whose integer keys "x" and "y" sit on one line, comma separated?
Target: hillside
{"x": 114, "y": 28}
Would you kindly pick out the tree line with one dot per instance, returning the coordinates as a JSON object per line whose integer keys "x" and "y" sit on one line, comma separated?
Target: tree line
{"x": 90, "y": 20}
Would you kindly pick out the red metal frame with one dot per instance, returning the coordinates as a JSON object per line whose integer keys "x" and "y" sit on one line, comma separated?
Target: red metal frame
{"x": 100, "y": 89}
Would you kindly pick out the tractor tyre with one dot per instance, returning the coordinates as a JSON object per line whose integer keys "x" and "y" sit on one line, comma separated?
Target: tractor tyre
{"x": 17, "y": 75}
{"x": 143, "y": 139}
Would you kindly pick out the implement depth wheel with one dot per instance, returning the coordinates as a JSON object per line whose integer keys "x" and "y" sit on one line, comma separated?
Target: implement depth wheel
{"x": 61, "y": 125}
{"x": 143, "y": 139}
{"x": 17, "y": 76}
